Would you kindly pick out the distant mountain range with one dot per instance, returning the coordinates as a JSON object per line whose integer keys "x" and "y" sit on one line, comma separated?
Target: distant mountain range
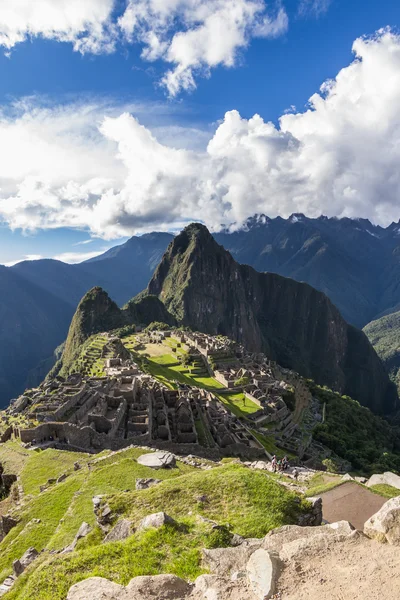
{"x": 356, "y": 264}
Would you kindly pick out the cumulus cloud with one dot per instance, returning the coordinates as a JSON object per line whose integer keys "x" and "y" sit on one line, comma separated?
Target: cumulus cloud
{"x": 86, "y": 24}
{"x": 338, "y": 157}
{"x": 193, "y": 36}
{"x": 197, "y": 35}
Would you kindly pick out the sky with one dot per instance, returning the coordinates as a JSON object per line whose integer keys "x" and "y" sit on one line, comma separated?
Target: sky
{"x": 120, "y": 117}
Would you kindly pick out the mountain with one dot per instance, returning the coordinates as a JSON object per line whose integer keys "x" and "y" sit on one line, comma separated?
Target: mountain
{"x": 355, "y": 263}
{"x": 384, "y": 335}
{"x": 33, "y": 322}
{"x": 205, "y": 288}
{"x": 39, "y": 298}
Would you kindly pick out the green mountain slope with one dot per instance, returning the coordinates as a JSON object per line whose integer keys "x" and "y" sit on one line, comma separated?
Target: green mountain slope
{"x": 384, "y": 335}
{"x": 241, "y": 500}
{"x": 294, "y": 324}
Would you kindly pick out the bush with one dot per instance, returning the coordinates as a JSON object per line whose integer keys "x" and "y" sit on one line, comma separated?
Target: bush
{"x": 158, "y": 326}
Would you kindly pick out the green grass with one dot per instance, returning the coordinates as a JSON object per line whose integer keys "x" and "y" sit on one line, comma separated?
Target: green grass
{"x": 385, "y": 490}
{"x": 246, "y": 502}
{"x": 239, "y": 404}
{"x": 318, "y": 485}
{"x": 269, "y": 444}
{"x": 48, "y": 464}
{"x": 13, "y": 457}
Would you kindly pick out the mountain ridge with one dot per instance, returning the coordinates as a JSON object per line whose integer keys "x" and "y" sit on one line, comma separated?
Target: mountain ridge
{"x": 205, "y": 288}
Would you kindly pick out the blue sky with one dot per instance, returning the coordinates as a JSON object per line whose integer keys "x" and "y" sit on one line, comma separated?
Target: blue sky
{"x": 45, "y": 83}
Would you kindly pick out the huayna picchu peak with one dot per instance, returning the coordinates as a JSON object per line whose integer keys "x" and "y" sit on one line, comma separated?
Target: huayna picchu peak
{"x": 206, "y": 289}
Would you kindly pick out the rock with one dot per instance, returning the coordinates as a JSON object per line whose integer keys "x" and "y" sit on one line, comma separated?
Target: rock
{"x": 261, "y": 465}
{"x": 105, "y": 515}
{"x": 387, "y": 478}
{"x": 262, "y": 571}
{"x": 157, "y": 460}
{"x": 144, "y": 484}
{"x": 6, "y": 524}
{"x": 62, "y": 478}
{"x": 362, "y": 480}
{"x": 121, "y": 531}
{"x": 157, "y": 587}
{"x": 238, "y": 575}
{"x": 83, "y": 531}
{"x": 51, "y": 481}
{"x": 96, "y": 502}
{"x": 20, "y": 565}
{"x": 202, "y": 499}
{"x": 236, "y": 540}
{"x": 7, "y": 585}
{"x": 213, "y": 587}
{"x": 314, "y": 517}
{"x": 225, "y": 561}
{"x": 279, "y": 540}
{"x": 96, "y": 588}
{"x": 156, "y": 520}
{"x": 77, "y": 466}
{"x": 347, "y": 477}
{"x": 385, "y": 524}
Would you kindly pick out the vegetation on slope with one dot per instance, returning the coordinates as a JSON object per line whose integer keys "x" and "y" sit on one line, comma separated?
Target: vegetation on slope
{"x": 96, "y": 312}
{"x": 384, "y": 335}
{"x": 355, "y": 434}
{"x": 244, "y": 501}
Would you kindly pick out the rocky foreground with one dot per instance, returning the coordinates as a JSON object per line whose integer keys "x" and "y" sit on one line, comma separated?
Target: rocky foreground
{"x": 333, "y": 561}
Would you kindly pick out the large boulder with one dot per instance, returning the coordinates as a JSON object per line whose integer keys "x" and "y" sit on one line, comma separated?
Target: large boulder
{"x": 157, "y": 460}
{"x": 384, "y": 525}
{"x": 293, "y": 542}
{"x": 156, "y": 520}
{"x": 225, "y": 561}
{"x": 214, "y": 587}
{"x": 160, "y": 587}
{"x": 262, "y": 572}
{"x": 122, "y": 530}
{"x": 96, "y": 588}
{"x": 387, "y": 478}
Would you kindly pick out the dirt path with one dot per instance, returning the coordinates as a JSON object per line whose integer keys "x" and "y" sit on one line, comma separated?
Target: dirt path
{"x": 358, "y": 569}
{"x": 350, "y": 502}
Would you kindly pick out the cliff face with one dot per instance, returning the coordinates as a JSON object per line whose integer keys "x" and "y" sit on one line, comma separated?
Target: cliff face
{"x": 201, "y": 284}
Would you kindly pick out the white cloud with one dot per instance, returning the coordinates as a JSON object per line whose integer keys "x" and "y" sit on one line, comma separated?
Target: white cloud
{"x": 197, "y": 35}
{"x": 84, "y": 23}
{"x": 26, "y": 257}
{"x": 338, "y": 157}
{"x": 78, "y": 257}
{"x": 314, "y": 8}
{"x": 192, "y": 35}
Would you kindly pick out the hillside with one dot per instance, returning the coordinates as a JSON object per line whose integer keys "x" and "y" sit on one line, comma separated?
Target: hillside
{"x": 32, "y": 323}
{"x": 248, "y": 501}
{"x": 384, "y": 335}
{"x": 355, "y": 263}
{"x": 204, "y": 288}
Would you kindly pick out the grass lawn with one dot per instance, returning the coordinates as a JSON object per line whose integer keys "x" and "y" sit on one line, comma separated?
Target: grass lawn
{"x": 385, "y": 490}
{"x": 238, "y": 404}
{"x": 249, "y": 502}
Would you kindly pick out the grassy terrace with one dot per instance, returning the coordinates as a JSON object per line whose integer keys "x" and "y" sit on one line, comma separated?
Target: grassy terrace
{"x": 249, "y": 502}
{"x": 163, "y": 365}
